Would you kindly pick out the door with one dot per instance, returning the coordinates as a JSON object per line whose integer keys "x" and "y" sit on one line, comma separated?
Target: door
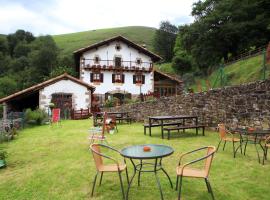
{"x": 64, "y": 102}
{"x": 117, "y": 61}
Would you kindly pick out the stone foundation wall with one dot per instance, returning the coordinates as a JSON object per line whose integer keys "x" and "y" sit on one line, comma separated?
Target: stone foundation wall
{"x": 246, "y": 104}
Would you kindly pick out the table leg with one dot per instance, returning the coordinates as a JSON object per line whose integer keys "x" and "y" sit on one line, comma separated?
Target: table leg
{"x": 139, "y": 177}
{"x": 165, "y": 173}
{"x": 150, "y": 125}
{"x": 162, "y": 134}
{"x": 134, "y": 173}
{"x": 157, "y": 179}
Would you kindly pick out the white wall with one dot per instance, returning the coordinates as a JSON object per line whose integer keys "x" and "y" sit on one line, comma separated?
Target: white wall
{"x": 80, "y": 96}
{"x": 107, "y": 52}
{"x": 128, "y": 86}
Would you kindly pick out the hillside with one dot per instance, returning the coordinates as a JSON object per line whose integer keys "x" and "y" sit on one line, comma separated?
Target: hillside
{"x": 243, "y": 71}
{"x": 73, "y": 41}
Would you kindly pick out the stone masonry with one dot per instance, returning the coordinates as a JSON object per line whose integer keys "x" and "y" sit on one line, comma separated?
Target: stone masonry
{"x": 245, "y": 105}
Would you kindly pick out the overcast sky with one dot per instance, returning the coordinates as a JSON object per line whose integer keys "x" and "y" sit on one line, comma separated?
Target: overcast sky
{"x": 65, "y": 16}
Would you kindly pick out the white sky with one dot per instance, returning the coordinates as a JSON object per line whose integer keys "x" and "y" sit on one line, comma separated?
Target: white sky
{"x": 66, "y": 16}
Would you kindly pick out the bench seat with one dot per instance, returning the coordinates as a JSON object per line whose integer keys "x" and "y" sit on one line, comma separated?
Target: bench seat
{"x": 164, "y": 124}
{"x": 173, "y": 128}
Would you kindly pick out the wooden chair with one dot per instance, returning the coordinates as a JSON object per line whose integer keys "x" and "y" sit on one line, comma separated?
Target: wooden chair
{"x": 182, "y": 170}
{"x": 266, "y": 146}
{"x": 223, "y": 137}
{"x": 101, "y": 167}
{"x": 98, "y": 133}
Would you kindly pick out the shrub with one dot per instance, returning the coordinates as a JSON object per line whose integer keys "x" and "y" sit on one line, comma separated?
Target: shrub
{"x": 111, "y": 102}
{"x": 37, "y": 116}
{"x": 3, "y": 154}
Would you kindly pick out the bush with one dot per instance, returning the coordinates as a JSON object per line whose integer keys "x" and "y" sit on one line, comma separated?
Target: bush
{"x": 3, "y": 154}
{"x": 37, "y": 116}
{"x": 111, "y": 102}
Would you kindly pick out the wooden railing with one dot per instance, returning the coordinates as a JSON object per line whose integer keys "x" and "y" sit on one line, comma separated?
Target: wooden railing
{"x": 80, "y": 114}
{"x": 110, "y": 64}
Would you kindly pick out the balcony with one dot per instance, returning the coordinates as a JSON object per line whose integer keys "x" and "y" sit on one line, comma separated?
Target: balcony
{"x": 110, "y": 65}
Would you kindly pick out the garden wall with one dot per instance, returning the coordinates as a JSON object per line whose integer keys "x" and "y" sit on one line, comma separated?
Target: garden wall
{"x": 246, "y": 104}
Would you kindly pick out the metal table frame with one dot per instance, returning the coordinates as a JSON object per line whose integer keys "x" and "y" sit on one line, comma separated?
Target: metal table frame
{"x": 163, "y": 118}
{"x": 157, "y": 165}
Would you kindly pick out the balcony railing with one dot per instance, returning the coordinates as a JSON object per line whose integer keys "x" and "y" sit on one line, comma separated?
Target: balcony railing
{"x": 111, "y": 65}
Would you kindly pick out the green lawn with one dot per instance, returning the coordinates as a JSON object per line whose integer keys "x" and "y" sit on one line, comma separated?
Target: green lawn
{"x": 73, "y": 41}
{"x": 55, "y": 163}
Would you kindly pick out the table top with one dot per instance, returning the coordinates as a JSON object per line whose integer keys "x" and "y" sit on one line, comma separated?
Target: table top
{"x": 173, "y": 117}
{"x": 252, "y": 132}
{"x": 137, "y": 152}
{"x": 112, "y": 113}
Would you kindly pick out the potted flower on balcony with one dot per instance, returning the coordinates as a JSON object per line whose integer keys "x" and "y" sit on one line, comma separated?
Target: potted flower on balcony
{"x": 3, "y": 155}
{"x": 118, "y": 81}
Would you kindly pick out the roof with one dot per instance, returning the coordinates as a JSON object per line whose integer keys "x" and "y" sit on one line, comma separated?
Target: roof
{"x": 154, "y": 56}
{"x": 51, "y": 81}
{"x": 170, "y": 76}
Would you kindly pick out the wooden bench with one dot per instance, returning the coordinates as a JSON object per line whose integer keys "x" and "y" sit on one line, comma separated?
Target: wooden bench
{"x": 157, "y": 125}
{"x": 173, "y": 128}
{"x": 121, "y": 119}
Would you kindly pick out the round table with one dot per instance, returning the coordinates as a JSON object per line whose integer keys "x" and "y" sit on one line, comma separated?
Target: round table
{"x": 156, "y": 153}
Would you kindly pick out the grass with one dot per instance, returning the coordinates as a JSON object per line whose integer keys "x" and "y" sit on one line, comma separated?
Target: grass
{"x": 55, "y": 163}
{"x": 243, "y": 71}
{"x": 73, "y": 41}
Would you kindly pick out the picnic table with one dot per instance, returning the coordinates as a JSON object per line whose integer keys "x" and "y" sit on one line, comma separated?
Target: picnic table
{"x": 156, "y": 121}
{"x": 252, "y": 137}
{"x": 119, "y": 116}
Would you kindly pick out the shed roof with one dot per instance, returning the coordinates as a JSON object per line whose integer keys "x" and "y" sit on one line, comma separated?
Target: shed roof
{"x": 39, "y": 86}
{"x": 170, "y": 76}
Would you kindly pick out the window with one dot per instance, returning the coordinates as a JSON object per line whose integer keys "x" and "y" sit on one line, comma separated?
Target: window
{"x": 138, "y": 61}
{"x": 96, "y": 59}
{"x": 118, "y": 47}
{"x": 96, "y": 77}
{"x": 138, "y": 79}
{"x": 117, "y": 61}
{"x": 118, "y": 78}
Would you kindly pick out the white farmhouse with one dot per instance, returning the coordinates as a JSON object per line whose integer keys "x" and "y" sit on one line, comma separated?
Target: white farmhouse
{"x": 120, "y": 68}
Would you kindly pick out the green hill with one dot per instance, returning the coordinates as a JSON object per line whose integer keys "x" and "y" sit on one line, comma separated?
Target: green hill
{"x": 243, "y": 71}
{"x": 73, "y": 41}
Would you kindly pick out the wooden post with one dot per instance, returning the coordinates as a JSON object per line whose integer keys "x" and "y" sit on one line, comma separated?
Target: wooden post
{"x": 4, "y": 112}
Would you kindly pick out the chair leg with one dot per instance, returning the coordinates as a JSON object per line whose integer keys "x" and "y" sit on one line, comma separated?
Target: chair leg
{"x": 144, "y": 130}
{"x": 234, "y": 152}
{"x": 177, "y": 180}
{"x": 94, "y": 183}
{"x": 245, "y": 148}
{"x": 218, "y": 145}
{"x": 210, "y": 188}
{"x": 180, "y": 187}
{"x": 127, "y": 175}
{"x": 224, "y": 145}
{"x": 100, "y": 178}
{"x": 121, "y": 183}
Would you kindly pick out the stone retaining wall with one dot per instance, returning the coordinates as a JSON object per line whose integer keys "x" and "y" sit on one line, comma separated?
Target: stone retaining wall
{"x": 246, "y": 104}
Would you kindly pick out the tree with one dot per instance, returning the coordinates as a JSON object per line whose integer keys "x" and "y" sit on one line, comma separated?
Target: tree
{"x": 223, "y": 28}
{"x": 21, "y": 49}
{"x": 7, "y": 86}
{"x": 164, "y": 40}
{"x": 61, "y": 70}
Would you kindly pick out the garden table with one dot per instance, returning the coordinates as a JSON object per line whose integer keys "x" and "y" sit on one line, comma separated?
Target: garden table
{"x": 154, "y": 152}
{"x": 257, "y": 137}
{"x": 161, "y": 120}
{"x": 120, "y": 116}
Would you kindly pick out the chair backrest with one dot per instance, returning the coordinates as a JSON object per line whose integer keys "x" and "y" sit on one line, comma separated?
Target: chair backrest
{"x": 97, "y": 158}
{"x": 210, "y": 151}
{"x": 222, "y": 131}
{"x": 55, "y": 115}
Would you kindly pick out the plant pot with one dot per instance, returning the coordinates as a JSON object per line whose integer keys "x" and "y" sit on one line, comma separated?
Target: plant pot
{"x": 2, "y": 163}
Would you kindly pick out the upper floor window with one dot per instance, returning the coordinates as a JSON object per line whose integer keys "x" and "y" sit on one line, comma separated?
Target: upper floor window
{"x": 96, "y": 77}
{"x": 117, "y": 61}
{"x": 118, "y": 78}
{"x": 118, "y": 47}
{"x": 138, "y": 61}
{"x": 138, "y": 79}
{"x": 96, "y": 59}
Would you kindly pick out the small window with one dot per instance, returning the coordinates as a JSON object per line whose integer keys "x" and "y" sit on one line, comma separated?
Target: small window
{"x": 117, "y": 61}
{"x": 96, "y": 77}
{"x": 139, "y": 79}
{"x": 96, "y": 59}
{"x": 118, "y": 77}
{"x": 118, "y": 47}
{"x": 138, "y": 61}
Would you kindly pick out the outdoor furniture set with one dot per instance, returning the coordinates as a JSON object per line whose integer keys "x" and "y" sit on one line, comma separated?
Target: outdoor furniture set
{"x": 119, "y": 116}
{"x": 141, "y": 157}
{"x": 260, "y": 138}
{"x": 173, "y": 123}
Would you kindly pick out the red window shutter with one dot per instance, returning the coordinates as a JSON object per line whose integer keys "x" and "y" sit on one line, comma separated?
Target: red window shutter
{"x": 101, "y": 77}
{"x": 113, "y": 78}
{"x": 134, "y": 79}
{"x": 91, "y": 77}
{"x": 123, "y": 78}
{"x": 143, "y": 79}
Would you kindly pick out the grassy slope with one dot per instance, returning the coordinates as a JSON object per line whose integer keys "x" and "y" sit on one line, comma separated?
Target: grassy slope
{"x": 55, "y": 163}
{"x": 73, "y": 41}
{"x": 244, "y": 71}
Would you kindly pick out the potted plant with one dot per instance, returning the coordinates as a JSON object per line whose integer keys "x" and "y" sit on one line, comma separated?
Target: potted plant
{"x": 3, "y": 155}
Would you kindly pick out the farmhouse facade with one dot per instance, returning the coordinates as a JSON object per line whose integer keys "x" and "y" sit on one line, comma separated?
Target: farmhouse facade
{"x": 119, "y": 68}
